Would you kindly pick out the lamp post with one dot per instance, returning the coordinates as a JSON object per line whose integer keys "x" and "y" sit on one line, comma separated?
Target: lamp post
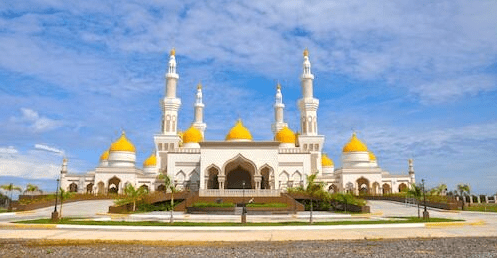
{"x": 426, "y": 215}
{"x": 55, "y": 214}
{"x": 244, "y": 213}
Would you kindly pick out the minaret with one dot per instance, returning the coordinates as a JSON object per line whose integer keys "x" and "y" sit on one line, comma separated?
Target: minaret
{"x": 171, "y": 103}
{"x": 64, "y": 166}
{"x": 411, "y": 171}
{"x": 308, "y": 105}
{"x": 278, "y": 112}
{"x": 199, "y": 111}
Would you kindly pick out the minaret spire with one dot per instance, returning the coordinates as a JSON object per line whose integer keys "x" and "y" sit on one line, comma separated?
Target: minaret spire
{"x": 411, "y": 171}
{"x": 308, "y": 105}
{"x": 171, "y": 104}
{"x": 199, "y": 111}
{"x": 278, "y": 111}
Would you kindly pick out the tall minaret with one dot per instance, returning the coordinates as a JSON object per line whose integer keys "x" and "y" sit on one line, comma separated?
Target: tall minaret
{"x": 278, "y": 112}
{"x": 411, "y": 171}
{"x": 308, "y": 105}
{"x": 171, "y": 103}
{"x": 199, "y": 111}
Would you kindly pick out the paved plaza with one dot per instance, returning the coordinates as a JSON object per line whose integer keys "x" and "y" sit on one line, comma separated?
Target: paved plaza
{"x": 476, "y": 224}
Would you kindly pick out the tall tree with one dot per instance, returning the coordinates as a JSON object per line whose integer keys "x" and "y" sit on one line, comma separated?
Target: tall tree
{"x": 169, "y": 185}
{"x": 31, "y": 188}
{"x": 463, "y": 189}
{"x": 11, "y": 188}
{"x": 134, "y": 195}
{"x": 313, "y": 189}
{"x": 416, "y": 192}
{"x": 63, "y": 195}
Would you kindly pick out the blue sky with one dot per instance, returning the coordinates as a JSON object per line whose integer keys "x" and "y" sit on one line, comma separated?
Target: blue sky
{"x": 415, "y": 80}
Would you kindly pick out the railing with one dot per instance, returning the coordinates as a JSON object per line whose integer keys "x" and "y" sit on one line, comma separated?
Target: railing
{"x": 291, "y": 150}
{"x": 239, "y": 193}
{"x": 186, "y": 150}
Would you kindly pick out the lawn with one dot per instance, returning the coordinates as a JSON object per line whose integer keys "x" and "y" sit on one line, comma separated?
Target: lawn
{"x": 481, "y": 207}
{"x": 72, "y": 221}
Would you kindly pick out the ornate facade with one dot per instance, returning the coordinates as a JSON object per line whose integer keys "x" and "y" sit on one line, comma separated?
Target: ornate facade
{"x": 220, "y": 167}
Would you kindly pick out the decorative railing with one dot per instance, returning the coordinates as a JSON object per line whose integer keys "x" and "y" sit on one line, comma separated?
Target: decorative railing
{"x": 291, "y": 150}
{"x": 187, "y": 150}
{"x": 239, "y": 192}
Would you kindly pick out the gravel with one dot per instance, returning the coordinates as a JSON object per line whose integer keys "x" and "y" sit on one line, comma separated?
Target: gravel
{"x": 437, "y": 247}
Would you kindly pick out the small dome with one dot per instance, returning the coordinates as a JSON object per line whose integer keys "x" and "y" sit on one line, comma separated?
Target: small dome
{"x": 326, "y": 161}
{"x": 105, "y": 155}
{"x": 192, "y": 135}
{"x": 372, "y": 157}
{"x": 285, "y": 135}
{"x": 354, "y": 145}
{"x": 239, "y": 132}
{"x": 122, "y": 144}
{"x": 150, "y": 161}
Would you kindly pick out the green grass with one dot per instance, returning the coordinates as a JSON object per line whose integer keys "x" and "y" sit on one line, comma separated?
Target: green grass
{"x": 213, "y": 204}
{"x": 3, "y": 210}
{"x": 481, "y": 207}
{"x": 71, "y": 221}
{"x": 268, "y": 205}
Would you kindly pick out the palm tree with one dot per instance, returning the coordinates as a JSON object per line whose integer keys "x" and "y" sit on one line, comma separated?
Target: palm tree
{"x": 64, "y": 195}
{"x": 11, "y": 188}
{"x": 416, "y": 192}
{"x": 31, "y": 188}
{"x": 134, "y": 195}
{"x": 169, "y": 185}
{"x": 463, "y": 189}
{"x": 441, "y": 189}
{"x": 313, "y": 189}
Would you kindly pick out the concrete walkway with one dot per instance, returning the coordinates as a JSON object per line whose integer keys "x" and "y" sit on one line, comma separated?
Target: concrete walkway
{"x": 476, "y": 224}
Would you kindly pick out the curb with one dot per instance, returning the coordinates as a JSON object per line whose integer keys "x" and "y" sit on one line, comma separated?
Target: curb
{"x": 27, "y": 226}
{"x": 454, "y": 224}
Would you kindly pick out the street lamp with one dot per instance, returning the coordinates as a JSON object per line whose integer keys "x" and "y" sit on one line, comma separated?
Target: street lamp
{"x": 244, "y": 213}
{"x": 55, "y": 214}
{"x": 426, "y": 215}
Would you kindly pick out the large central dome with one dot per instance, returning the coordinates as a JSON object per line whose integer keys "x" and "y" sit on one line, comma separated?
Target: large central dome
{"x": 355, "y": 145}
{"x": 239, "y": 133}
{"x": 122, "y": 144}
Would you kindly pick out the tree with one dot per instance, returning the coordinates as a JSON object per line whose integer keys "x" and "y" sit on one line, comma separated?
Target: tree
{"x": 169, "y": 185}
{"x": 463, "y": 189}
{"x": 441, "y": 189}
{"x": 313, "y": 189}
{"x": 133, "y": 195}
{"x": 31, "y": 188}
{"x": 64, "y": 195}
{"x": 11, "y": 188}
{"x": 416, "y": 192}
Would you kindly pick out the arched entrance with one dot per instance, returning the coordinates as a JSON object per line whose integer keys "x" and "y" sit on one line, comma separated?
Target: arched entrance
{"x": 265, "y": 178}
{"x": 333, "y": 188}
{"x": 114, "y": 185}
{"x": 376, "y": 188}
{"x": 363, "y": 185}
{"x": 89, "y": 188}
{"x": 161, "y": 188}
{"x": 73, "y": 188}
{"x": 239, "y": 170}
{"x": 212, "y": 181}
{"x": 144, "y": 187}
{"x": 236, "y": 178}
{"x": 402, "y": 187}
{"x": 386, "y": 189}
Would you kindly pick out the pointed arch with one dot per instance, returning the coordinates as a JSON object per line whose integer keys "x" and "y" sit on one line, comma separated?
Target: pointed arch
{"x": 284, "y": 176}
{"x": 296, "y": 176}
{"x": 267, "y": 176}
{"x": 238, "y": 159}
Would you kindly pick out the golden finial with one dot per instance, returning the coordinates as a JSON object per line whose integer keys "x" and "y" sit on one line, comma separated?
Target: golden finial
{"x": 306, "y": 52}
{"x": 173, "y": 52}
{"x": 278, "y": 86}
{"x": 199, "y": 85}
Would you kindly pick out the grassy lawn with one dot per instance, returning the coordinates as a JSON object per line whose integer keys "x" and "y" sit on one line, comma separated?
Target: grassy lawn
{"x": 72, "y": 221}
{"x": 481, "y": 207}
{"x": 3, "y": 210}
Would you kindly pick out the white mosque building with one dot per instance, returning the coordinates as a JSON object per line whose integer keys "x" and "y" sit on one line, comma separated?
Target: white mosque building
{"x": 217, "y": 168}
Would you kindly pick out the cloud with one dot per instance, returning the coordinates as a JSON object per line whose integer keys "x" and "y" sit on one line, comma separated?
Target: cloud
{"x": 36, "y": 123}
{"x": 48, "y": 148}
{"x": 29, "y": 165}
{"x": 8, "y": 150}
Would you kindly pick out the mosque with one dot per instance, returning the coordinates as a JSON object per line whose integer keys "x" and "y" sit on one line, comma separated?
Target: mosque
{"x": 225, "y": 168}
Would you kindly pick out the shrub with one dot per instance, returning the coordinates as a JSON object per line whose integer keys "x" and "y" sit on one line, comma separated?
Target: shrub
{"x": 213, "y": 204}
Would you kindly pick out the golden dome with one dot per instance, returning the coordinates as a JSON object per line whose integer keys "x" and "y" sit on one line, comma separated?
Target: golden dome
{"x": 239, "y": 132}
{"x": 285, "y": 135}
{"x": 372, "y": 157}
{"x": 173, "y": 52}
{"x": 105, "y": 155}
{"x": 192, "y": 135}
{"x": 306, "y": 52}
{"x": 122, "y": 144}
{"x": 354, "y": 145}
{"x": 326, "y": 161}
{"x": 150, "y": 161}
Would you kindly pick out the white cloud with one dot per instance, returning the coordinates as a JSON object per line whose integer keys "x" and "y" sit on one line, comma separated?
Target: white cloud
{"x": 8, "y": 150}
{"x": 32, "y": 120}
{"x": 48, "y": 148}
{"x": 29, "y": 165}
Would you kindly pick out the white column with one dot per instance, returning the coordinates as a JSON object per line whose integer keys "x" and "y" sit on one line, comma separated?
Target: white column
{"x": 199, "y": 111}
